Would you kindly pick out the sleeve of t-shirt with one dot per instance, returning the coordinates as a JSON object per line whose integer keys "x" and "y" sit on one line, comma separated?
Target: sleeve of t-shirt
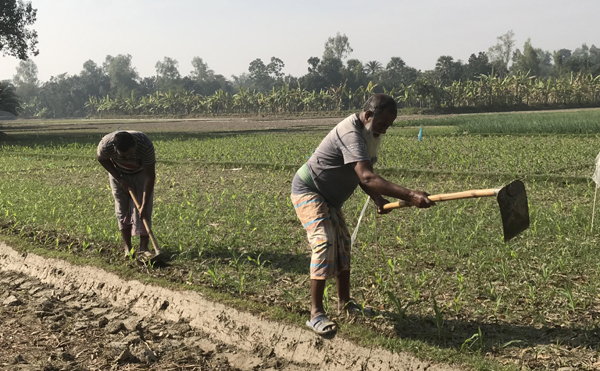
{"x": 353, "y": 147}
{"x": 101, "y": 151}
{"x": 149, "y": 157}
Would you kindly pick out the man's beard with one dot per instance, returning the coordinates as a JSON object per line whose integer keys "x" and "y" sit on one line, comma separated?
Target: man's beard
{"x": 373, "y": 143}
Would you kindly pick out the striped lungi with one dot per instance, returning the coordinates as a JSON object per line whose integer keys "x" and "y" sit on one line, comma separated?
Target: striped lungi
{"x": 327, "y": 233}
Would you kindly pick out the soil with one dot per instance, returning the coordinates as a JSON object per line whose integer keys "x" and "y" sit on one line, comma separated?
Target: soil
{"x": 206, "y": 125}
{"x": 220, "y": 125}
{"x": 48, "y": 328}
{"x": 58, "y": 316}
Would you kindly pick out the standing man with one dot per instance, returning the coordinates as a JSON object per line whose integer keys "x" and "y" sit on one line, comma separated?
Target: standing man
{"x": 343, "y": 161}
{"x": 129, "y": 158}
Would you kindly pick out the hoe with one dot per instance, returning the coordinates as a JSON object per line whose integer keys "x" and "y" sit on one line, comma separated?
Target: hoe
{"x": 511, "y": 198}
{"x": 158, "y": 257}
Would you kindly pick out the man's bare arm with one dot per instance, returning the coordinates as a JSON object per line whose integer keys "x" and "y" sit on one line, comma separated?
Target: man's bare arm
{"x": 112, "y": 170}
{"x": 109, "y": 166}
{"x": 150, "y": 176}
{"x": 377, "y": 199}
{"x": 378, "y": 185}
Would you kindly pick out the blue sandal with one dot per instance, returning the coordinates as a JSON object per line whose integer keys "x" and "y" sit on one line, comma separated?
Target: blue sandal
{"x": 322, "y": 325}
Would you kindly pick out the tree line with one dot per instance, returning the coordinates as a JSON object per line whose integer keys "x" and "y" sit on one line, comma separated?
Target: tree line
{"x": 502, "y": 76}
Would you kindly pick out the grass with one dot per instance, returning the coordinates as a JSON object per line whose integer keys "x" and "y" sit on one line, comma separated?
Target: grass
{"x": 564, "y": 122}
{"x": 448, "y": 287}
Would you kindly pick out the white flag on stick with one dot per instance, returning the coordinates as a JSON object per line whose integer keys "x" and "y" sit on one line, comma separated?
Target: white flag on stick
{"x": 596, "y": 179}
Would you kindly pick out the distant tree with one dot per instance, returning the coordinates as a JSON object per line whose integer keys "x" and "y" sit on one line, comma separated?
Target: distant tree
{"x": 291, "y": 80}
{"x": 9, "y": 101}
{"x": 373, "y": 67}
{"x": 259, "y": 75}
{"x": 500, "y": 54}
{"x": 26, "y": 80}
{"x": 93, "y": 79}
{"x": 353, "y": 64}
{"x": 167, "y": 75}
{"x": 477, "y": 65}
{"x": 219, "y": 82}
{"x": 447, "y": 70}
{"x": 123, "y": 76}
{"x": 203, "y": 80}
{"x": 595, "y": 57}
{"x": 330, "y": 70}
{"x": 546, "y": 65}
{"x": 275, "y": 67}
{"x": 560, "y": 59}
{"x": 313, "y": 63}
{"x": 148, "y": 86}
{"x": 327, "y": 73}
{"x": 201, "y": 72}
{"x": 397, "y": 73}
{"x": 526, "y": 62}
{"x": 337, "y": 47}
{"x": 585, "y": 60}
{"x": 312, "y": 80}
{"x": 355, "y": 74}
{"x": 395, "y": 64}
{"x": 264, "y": 77}
{"x": 242, "y": 81}
{"x": 16, "y": 39}
{"x": 62, "y": 96}
{"x": 425, "y": 91}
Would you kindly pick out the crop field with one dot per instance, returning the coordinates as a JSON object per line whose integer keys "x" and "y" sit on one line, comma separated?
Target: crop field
{"x": 443, "y": 283}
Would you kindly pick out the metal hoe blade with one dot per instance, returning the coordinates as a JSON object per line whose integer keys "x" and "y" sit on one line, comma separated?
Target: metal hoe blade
{"x": 514, "y": 209}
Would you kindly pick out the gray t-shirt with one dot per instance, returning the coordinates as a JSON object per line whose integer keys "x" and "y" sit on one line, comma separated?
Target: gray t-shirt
{"x": 330, "y": 167}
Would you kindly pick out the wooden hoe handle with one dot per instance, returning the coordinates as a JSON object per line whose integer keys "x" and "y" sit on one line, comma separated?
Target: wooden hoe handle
{"x": 137, "y": 204}
{"x": 474, "y": 193}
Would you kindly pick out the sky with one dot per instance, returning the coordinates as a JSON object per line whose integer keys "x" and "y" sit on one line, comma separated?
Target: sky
{"x": 229, "y": 34}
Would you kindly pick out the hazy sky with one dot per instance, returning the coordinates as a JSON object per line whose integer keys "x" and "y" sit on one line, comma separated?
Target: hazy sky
{"x": 229, "y": 34}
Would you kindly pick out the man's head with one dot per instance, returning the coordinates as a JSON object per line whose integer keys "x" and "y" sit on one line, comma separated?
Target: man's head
{"x": 125, "y": 144}
{"x": 378, "y": 115}
{"x": 380, "y": 111}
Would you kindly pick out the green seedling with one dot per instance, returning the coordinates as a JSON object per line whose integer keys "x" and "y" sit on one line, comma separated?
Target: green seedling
{"x": 475, "y": 342}
{"x": 439, "y": 318}
{"x": 326, "y": 297}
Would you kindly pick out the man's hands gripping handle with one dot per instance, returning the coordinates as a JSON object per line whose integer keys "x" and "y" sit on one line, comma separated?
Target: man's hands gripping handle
{"x": 139, "y": 207}
{"x": 441, "y": 197}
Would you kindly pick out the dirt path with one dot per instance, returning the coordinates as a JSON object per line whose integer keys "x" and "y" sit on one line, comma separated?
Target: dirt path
{"x": 206, "y": 125}
{"x": 47, "y": 328}
{"x": 74, "y": 127}
{"x": 58, "y": 316}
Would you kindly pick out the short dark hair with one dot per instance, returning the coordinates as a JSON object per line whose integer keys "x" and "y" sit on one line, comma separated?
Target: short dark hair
{"x": 380, "y": 102}
{"x": 124, "y": 141}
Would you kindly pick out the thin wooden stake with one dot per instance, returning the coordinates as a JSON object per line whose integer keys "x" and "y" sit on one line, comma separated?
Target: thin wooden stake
{"x": 594, "y": 209}
{"x": 358, "y": 223}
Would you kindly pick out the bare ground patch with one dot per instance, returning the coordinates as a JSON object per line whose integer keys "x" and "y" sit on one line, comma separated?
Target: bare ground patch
{"x": 73, "y": 127}
{"x": 57, "y": 316}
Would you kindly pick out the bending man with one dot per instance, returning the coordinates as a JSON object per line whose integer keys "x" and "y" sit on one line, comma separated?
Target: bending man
{"x": 129, "y": 158}
{"x": 343, "y": 161}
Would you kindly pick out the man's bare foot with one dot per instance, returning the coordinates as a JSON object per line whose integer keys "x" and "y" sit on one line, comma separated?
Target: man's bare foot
{"x": 146, "y": 253}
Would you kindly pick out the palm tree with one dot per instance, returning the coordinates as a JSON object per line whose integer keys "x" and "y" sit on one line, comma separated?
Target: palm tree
{"x": 373, "y": 67}
{"x": 9, "y": 101}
